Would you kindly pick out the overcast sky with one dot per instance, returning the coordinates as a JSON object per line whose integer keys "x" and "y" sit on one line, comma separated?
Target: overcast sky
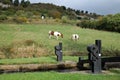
{"x": 103, "y": 7}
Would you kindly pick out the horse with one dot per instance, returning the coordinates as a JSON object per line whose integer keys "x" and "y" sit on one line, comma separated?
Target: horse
{"x": 56, "y": 34}
{"x": 75, "y": 37}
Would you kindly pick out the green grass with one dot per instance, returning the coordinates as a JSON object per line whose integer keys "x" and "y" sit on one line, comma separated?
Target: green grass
{"x": 58, "y": 76}
{"x": 115, "y": 70}
{"x": 10, "y": 33}
{"x": 40, "y": 60}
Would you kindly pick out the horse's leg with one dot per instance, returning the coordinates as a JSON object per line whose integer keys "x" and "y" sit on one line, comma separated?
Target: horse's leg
{"x": 57, "y": 37}
{"x": 49, "y": 36}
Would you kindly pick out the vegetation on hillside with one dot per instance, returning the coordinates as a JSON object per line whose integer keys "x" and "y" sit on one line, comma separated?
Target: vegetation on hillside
{"x": 24, "y": 11}
{"x": 108, "y": 23}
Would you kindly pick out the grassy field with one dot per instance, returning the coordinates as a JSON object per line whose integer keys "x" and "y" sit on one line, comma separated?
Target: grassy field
{"x": 14, "y": 37}
{"x": 17, "y": 33}
{"x": 40, "y": 60}
{"x": 58, "y": 76}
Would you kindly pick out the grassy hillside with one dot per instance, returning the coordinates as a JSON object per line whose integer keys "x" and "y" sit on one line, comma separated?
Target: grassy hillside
{"x": 21, "y": 13}
{"x": 32, "y": 40}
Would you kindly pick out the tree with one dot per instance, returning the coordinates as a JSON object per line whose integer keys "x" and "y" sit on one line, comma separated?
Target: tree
{"x": 82, "y": 12}
{"x": 11, "y": 1}
{"x": 86, "y": 12}
{"x": 77, "y": 12}
{"x": 22, "y": 2}
{"x": 63, "y": 7}
{"x": 25, "y": 3}
{"x": 94, "y": 15}
{"x": 16, "y": 2}
{"x": 113, "y": 22}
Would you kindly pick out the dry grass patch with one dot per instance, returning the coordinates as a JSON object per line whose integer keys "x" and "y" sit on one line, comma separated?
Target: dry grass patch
{"x": 23, "y": 49}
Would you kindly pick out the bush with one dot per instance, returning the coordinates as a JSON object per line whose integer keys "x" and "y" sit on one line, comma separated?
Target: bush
{"x": 8, "y": 11}
{"x": 3, "y": 17}
{"x": 55, "y": 14}
{"x": 65, "y": 19}
{"x": 20, "y": 19}
{"x": 108, "y": 23}
{"x": 112, "y": 51}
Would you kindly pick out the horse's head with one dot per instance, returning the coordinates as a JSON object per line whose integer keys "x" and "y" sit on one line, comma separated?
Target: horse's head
{"x": 51, "y": 32}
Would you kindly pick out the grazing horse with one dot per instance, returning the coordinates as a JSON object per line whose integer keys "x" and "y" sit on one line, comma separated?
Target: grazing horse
{"x": 56, "y": 34}
{"x": 75, "y": 37}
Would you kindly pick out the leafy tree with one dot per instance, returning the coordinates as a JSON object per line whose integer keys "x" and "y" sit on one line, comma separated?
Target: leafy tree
{"x": 113, "y": 22}
{"x": 27, "y": 3}
{"x": 22, "y": 2}
{"x": 94, "y": 15}
{"x": 77, "y": 12}
{"x": 86, "y": 12}
{"x": 82, "y": 12}
{"x": 63, "y": 7}
{"x": 101, "y": 25}
{"x": 16, "y": 2}
{"x": 108, "y": 23}
{"x": 11, "y": 1}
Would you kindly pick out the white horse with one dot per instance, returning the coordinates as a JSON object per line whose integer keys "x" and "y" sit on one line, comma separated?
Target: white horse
{"x": 56, "y": 34}
{"x": 75, "y": 37}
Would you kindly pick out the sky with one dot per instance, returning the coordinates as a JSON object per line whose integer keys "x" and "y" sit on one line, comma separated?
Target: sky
{"x": 102, "y": 7}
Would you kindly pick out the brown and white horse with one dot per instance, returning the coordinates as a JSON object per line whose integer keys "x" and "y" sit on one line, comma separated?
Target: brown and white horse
{"x": 75, "y": 37}
{"x": 56, "y": 34}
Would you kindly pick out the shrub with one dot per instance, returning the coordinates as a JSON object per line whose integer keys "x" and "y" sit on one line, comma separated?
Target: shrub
{"x": 64, "y": 19}
{"x": 3, "y": 17}
{"x": 20, "y": 19}
{"x": 108, "y": 23}
{"x": 55, "y": 14}
{"x": 8, "y": 11}
{"x": 111, "y": 52}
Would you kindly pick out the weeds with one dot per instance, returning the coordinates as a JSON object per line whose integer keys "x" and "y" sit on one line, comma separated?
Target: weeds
{"x": 23, "y": 49}
{"x": 111, "y": 52}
